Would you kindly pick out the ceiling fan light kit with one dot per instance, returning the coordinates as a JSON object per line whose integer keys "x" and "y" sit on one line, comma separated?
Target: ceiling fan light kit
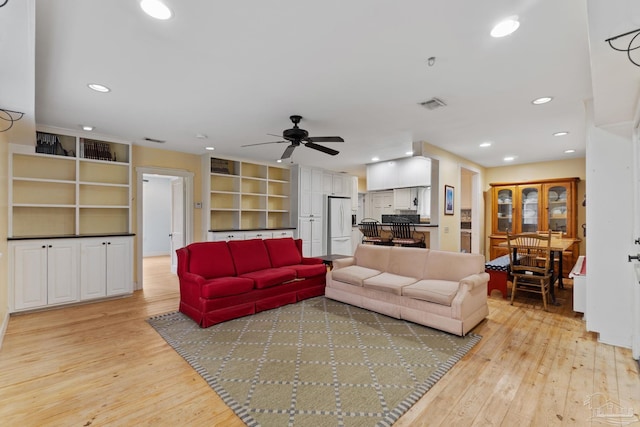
{"x": 297, "y": 136}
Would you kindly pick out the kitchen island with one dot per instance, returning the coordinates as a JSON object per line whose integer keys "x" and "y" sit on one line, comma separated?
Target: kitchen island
{"x": 429, "y": 231}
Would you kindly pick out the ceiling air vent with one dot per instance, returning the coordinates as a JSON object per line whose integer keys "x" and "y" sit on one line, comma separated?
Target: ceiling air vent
{"x": 433, "y": 103}
{"x": 158, "y": 141}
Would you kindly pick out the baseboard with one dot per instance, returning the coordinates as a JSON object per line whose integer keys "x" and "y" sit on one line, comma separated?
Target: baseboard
{"x": 3, "y": 327}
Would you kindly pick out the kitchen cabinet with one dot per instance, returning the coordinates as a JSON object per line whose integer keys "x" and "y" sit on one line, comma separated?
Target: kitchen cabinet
{"x": 398, "y": 173}
{"x": 354, "y": 193}
{"x": 403, "y": 198}
{"x": 381, "y": 204}
{"x": 535, "y": 206}
{"x": 311, "y": 196}
{"x": 310, "y": 231}
{"x": 105, "y": 267}
{"x": 43, "y": 273}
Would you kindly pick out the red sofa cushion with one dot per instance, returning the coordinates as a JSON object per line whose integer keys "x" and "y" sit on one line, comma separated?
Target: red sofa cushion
{"x": 270, "y": 277}
{"x": 283, "y": 252}
{"x": 226, "y": 286}
{"x": 308, "y": 270}
{"x": 249, "y": 255}
{"x": 210, "y": 260}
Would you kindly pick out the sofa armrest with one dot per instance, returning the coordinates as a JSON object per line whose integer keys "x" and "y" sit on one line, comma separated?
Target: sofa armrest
{"x": 192, "y": 278}
{"x": 343, "y": 262}
{"x": 475, "y": 280}
{"x": 311, "y": 261}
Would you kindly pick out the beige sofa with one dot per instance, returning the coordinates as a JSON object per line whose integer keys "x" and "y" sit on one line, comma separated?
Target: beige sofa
{"x": 442, "y": 290}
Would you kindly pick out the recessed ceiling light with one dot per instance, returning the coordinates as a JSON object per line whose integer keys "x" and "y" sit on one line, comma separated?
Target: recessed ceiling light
{"x": 156, "y": 9}
{"x": 99, "y": 88}
{"x": 485, "y": 144}
{"x": 563, "y": 133}
{"x": 279, "y": 161}
{"x": 209, "y": 148}
{"x": 409, "y": 153}
{"x": 543, "y": 100}
{"x": 201, "y": 136}
{"x": 87, "y": 128}
{"x": 505, "y": 27}
{"x": 375, "y": 159}
{"x": 509, "y": 159}
{"x": 569, "y": 151}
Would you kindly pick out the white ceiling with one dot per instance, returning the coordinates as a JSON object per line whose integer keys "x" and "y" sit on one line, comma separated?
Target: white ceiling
{"x": 236, "y": 71}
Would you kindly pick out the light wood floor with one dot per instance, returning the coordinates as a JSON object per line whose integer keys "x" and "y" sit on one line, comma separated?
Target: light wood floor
{"x": 102, "y": 364}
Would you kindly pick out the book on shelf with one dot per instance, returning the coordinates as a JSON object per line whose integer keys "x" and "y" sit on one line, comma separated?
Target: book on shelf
{"x": 47, "y": 143}
{"x": 220, "y": 166}
{"x": 96, "y": 150}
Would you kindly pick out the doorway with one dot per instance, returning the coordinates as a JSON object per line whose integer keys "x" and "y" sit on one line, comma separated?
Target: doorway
{"x": 469, "y": 210}
{"x": 164, "y": 216}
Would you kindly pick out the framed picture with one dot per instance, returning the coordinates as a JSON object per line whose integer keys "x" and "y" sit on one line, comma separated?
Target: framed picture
{"x": 448, "y": 200}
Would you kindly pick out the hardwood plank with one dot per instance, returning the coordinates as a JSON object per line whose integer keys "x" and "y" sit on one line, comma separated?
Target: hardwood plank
{"x": 102, "y": 364}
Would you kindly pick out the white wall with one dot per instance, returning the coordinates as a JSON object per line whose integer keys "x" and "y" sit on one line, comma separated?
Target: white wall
{"x": 157, "y": 216}
{"x": 609, "y": 212}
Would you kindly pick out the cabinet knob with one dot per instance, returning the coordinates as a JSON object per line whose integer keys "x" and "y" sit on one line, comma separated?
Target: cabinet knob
{"x": 636, "y": 257}
{"x": 104, "y": 243}
{"x": 108, "y": 243}
{"x": 44, "y": 246}
{"x": 50, "y": 246}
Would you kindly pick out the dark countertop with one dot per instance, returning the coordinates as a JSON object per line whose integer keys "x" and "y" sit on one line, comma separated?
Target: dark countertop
{"x": 71, "y": 236}
{"x": 251, "y": 229}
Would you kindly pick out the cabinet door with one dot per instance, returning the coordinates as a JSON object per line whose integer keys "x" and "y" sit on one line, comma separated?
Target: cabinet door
{"x": 310, "y": 231}
{"x": 280, "y": 234}
{"x": 503, "y": 209}
{"x": 414, "y": 172}
{"x": 93, "y": 268}
{"x": 29, "y": 275}
{"x": 119, "y": 266}
{"x": 62, "y": 272}
{"x": 258, "y": 235}
{"x": 530, "y": 212}
{"x": 558, "y": 207}
{"x": 402, "y": 198}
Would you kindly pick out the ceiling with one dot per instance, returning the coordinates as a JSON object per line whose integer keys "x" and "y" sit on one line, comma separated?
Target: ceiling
{"x": 235, "y": 72}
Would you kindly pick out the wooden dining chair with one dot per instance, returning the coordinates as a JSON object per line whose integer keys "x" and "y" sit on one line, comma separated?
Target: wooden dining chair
{"x": 530, "y": 263}
{"x": 371, "y": 232}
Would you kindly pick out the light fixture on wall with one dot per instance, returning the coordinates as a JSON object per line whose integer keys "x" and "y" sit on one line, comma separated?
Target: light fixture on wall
{"x": 629, "y": 47}
{"x": 8, "y": 116}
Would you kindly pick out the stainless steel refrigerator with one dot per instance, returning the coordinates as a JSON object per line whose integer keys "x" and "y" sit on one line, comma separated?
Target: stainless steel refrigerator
{"x": 339, "y": 225}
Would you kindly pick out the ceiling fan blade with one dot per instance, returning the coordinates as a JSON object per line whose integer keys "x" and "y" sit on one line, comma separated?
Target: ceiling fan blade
{"x": 262, "y": 143}
{"x": 288, "y": 151}
{"x": 277, "y": 136}
{"x": 325, "y": 139}
{"x": 327, "y": 150}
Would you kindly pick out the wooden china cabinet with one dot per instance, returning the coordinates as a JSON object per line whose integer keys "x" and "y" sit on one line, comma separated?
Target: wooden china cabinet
{"x": 535, "y": 206}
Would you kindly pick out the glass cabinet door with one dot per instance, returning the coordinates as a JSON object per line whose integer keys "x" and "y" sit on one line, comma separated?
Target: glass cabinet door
{"x": 529, "y": 199}
{"x": 557, "y": 208}
{"x": 505, "y": 210}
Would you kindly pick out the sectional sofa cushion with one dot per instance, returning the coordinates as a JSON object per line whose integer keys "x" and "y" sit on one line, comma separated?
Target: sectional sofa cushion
{"x": 283, "y": 252}
{"x": 354, "y": 274}
{"x": 226, "y": 286}
{"x": 210, "y": 260}
{"x": 388, "y": 282}
{"x": 437, "y": 291}
{"x": 249, "y": 255}
{"x": 304, "y": 271}
{"x": 406, "y": 262}
{"x": 376, "y": 257}
{"x": 270, "y": 277}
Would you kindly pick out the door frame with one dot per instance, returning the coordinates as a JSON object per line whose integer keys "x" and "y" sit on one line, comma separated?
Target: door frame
{"x": 477, "y": 210}
{"x": 188, "y": 209}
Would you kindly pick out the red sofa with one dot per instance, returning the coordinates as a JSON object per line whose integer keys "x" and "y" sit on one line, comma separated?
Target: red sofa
{"x": 220, "y": 281}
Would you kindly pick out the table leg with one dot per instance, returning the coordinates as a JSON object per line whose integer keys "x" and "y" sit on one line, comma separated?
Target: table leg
{"x": 554, "y": 275}
{"x": 560, "y": 284}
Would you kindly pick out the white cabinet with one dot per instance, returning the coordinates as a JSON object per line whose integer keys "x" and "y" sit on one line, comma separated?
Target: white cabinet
{"x": 43, "y": 272}
{"x": 311, "y": 192}
{"x": 336, "y": 184}
{"x": 310, "y": 231}
{"x": 403, "y": 198}
{"x": 408, "y": 172}
{"x": 279, "y": 234}
{"x": 105, "y": 268}
{"x": 258, "y": 235}
{"x": 354, "y": 193}
{"x": 382, "y": 204}
{"x": 224, "y": 236}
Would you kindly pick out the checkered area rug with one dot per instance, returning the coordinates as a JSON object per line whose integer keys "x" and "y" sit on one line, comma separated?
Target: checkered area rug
{"x": 316, "y": 363}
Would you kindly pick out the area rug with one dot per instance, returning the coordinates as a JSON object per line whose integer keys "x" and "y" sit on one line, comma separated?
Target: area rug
{"x": 316, "y": 363}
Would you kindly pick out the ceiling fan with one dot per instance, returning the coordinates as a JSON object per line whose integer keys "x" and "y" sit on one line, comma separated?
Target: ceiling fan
{"x": 296, "y": 136}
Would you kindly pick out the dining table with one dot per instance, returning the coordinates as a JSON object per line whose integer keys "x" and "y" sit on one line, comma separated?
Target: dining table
{"x": 558, "y": 246}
